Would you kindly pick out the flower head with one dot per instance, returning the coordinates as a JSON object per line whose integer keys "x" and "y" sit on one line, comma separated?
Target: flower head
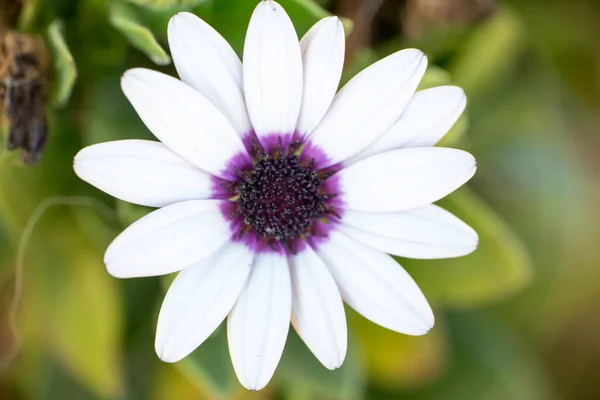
{"x": 279, "y": 198}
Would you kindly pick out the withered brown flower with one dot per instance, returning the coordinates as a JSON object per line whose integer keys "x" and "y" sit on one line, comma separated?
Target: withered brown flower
{"x": 23, "y": 89}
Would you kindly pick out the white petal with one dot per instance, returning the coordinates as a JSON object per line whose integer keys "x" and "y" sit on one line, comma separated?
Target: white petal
{"x": 323, "y": 61}
{"x": 429, "y": 232}
{"x": 317, "y": 309}
{"x": 142, "y": 172}
{"x": 429, "y": 116}
{"x": 205, "y": 61}
{"x": 404, "y": 179}
{"x": 376, "y": 286}
{"x": 368, "y": 105}
{"x": 258, "y": 325}
{"x": 272, "y": 70}
{"x": 199, "y": 299}
{"x": 168, "y": 240}
{"x": 183, "y": 119}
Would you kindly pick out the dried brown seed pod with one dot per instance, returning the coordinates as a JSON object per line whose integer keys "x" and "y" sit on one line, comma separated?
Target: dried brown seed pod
{"x": 23, "y": 90}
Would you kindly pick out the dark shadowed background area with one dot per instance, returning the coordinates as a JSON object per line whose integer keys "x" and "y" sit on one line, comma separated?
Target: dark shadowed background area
{"x": 517, "y": 319}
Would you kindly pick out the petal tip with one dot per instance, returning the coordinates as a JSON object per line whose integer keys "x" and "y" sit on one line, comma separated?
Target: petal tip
{"x": 253, "y": 385}
{"x": 430, "y": 320}
{"x": 137, "y": 73}
{"x": 128, "y": 76}
{"x": 425, "y": 318}
{"x": 129, "y": 72}
{"x": 335, "y": 365}
{"x": 165, "y": 356}
{"x": 338, "y": 26}
{"x": 161, "y": 346}
{"x": 268, "y": 4}
{"x": 474, "y": 243}
{"x": 334, "y": 20}
{"x": 428, "y": 325}
{"x": 113, "y": 272}
{"x": 78, "y": 158}
{"x": 181, "y": 17}
{"x": 412, "y": 58}
{"x": 474, "y": 165}
{"x": 456, "y": 92}
{"x": 415, "y": 53}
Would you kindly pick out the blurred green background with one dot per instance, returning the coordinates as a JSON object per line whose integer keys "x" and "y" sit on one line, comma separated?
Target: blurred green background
{"x": 517, "y": 319}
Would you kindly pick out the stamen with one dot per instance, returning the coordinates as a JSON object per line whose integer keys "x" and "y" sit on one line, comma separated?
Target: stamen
{"x": 295, "y": 146}
{"x": 235, "y": 213}
{"x": 331, "y": 210}
{"x": 291, "y": 248}
{"x": 272, "y": 245}
{"x": 278, "y": 148}
{"x": 317, "y": 234}
{"x": 326, "y": 175}
{"x": 256, "y": 149}
{"x": 242, "y": 232}
{"x": 329, "y": 196}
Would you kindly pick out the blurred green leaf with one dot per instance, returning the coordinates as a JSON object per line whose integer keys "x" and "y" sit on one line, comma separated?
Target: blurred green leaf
{"x": 489, "y": 52}
{"x": 490, "y": 362}
{"x": 86, "y": 319}
{"x": 108, "y": 104}
{"x": 54, "y": 382}
{"x": 28, "y": 13}
{"x": 361, "y": 60}
{"x": 37, "y": 15}
{"x": 301, "y": 376}
{"x": 304, "y": 14}
{"x": 397, "y": 361}
{"x": 65, "y": 70}
{"x": 230, "y": 17}
{"x": 209, "y": 366}
{"x": 124, "y": 19}
{"x": 435, "y": 76}
{"x": 456, "y": 132}
{"x": 170, "y": 383}
{"x": 162, "y": 5}
{"x": 128, "y": 213}
{"x": 497, "y": 269}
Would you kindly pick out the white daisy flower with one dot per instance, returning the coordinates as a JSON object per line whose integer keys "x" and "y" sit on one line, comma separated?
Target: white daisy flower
{"x": 279, "y": 198}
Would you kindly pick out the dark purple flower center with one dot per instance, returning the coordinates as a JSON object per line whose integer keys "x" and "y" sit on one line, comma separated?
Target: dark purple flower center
{"x": 280, "y": 197}
{"x": 280, "y": 201}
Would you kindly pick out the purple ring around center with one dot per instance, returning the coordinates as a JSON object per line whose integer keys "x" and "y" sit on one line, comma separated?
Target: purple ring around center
{"x": 318, "y": 231}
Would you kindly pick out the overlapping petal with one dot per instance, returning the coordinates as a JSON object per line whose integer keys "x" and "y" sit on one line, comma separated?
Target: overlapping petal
{"x": 183, "y": 119}
{"x": 428, "y": 117}
{"x": 199, "y": 299}
{"x": 376, "y": 286}
{"x": 323, "y": 60}
{"x": 205, "y": 61}
{"x": 368, "y": 105}
{"x": 168, "y": 240}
